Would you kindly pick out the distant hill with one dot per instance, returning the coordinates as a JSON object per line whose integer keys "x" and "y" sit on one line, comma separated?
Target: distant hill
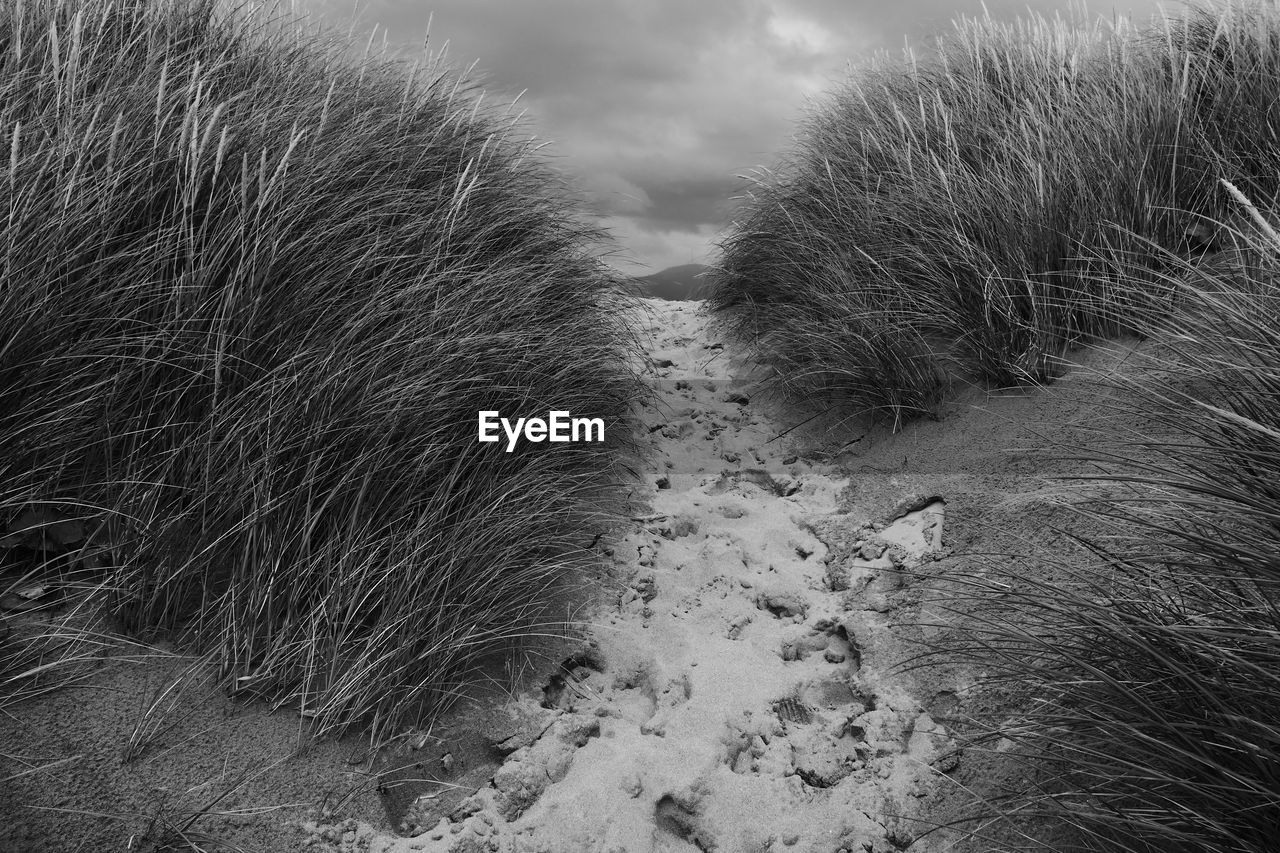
{"x": 673, "y": 283}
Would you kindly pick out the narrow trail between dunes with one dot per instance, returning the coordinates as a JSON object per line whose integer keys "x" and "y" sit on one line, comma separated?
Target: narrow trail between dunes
{"x": 737, "y": 696}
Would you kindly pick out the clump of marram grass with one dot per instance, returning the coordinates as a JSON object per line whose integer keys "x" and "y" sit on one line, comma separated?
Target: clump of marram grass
{"x": 1155, "y": 670}
{"x": 959, "y": 214}
{"x": 256, "y": 289}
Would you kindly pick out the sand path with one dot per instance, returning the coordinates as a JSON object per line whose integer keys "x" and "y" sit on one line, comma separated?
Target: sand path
{"x": 735, "y": 696}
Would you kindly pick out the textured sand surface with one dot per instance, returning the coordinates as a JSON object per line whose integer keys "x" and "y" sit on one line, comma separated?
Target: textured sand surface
{"x": 737, "y": 687}
{"x": 730, "y": 698}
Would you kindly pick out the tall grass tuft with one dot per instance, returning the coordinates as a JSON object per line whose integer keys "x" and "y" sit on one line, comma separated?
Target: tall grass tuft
{"x": 256, "y": 287}
{"x": 970, "y": 214}
{"x": 962, "y": 214}
{"x": 1156, "y": 669}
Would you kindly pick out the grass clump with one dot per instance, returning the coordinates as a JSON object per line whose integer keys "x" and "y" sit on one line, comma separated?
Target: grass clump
{"x": 256, "y": 288}
{"x": 963, "y": 214}
{"x": 1155, "y": 669}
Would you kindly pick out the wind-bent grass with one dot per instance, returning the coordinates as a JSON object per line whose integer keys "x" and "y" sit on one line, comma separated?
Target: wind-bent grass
{"x": 1156, "y": 670}
{"x": 960, "y": 214}
{"x": 974, "y": 213}
{"x": 256, "y": 290}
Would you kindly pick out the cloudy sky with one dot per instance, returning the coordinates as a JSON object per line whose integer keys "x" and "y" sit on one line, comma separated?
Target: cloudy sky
{"x": 657, "y": 107}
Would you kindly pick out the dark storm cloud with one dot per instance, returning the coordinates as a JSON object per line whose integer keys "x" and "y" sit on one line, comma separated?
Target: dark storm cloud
{"x": 686, "y": 204}
{"x": 657, "y": 105}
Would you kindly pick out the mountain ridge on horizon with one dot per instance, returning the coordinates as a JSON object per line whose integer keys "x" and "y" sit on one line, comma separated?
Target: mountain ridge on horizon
{"x": 677, "y": 283}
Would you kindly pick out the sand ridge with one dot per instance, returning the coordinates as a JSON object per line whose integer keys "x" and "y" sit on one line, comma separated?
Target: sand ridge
{"x": 732, "y": 697}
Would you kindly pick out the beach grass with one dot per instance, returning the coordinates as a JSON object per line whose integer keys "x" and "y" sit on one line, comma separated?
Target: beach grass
{"x": 969, "y": 215}
{"x": 963, "y": 215}
{"x": 257, "y": 286}
{"x": 1152, "y": 659}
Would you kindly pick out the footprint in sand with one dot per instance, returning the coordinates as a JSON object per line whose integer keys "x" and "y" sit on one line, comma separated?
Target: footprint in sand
{"x": 676, "y": 817}
{"x": 783, "y": 603}
{"x": 675, "y": 693}
{"x": 577, "y": 682}
{"x": 734, "y": 698}
{"x": 828, "y": 637}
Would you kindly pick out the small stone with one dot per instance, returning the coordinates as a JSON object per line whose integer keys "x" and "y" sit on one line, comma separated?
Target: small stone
{"x": 663, "y": 362}
{"x": 791, "y": 839}
{"x": 791, "y": 460}
{"x": 663, "y": 483}
{"x": 832, "y": 655}
{"x": 737, "y": 397}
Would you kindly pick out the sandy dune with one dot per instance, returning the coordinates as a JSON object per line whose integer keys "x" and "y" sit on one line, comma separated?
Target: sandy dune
{"x": 736, "y": 687}
{"x": 730, "y": 698}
